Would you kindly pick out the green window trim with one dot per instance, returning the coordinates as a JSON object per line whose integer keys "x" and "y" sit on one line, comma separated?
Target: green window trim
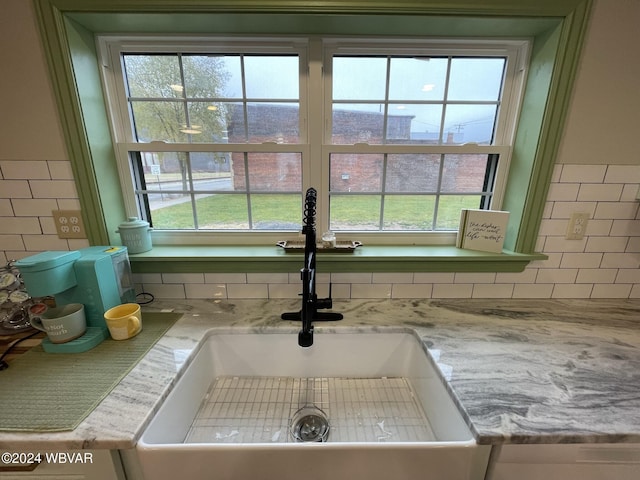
{"x": 557, "y": 27}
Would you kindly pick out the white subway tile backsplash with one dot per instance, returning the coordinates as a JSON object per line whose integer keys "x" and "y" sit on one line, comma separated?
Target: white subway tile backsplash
{"x": 60, "y": 170}
{"x": 254, "y": 290}
{"x": 147, "y": 278}
{"x": 583, "y": 173}
{"x": 284, "y": 290}
{"x": 267, "y": 278}
{"x": 474, "y": 277}
{"x": 77, "y": 243}
{"x": 600, "y": 192}
{"x": 598, "y": 227}
{"x": 616, "y": 210}
{"x": 39, "y": 242}
{"x": 561, "y": 244}
{"x": 565, "y": 209}
{"x": 366, "y": 290}
{"x": 629, "y": 192}
{"x": 48, "y": 225}
{"x": 6, "y": 208}
{"x": 339, "y": 290}
{"x": 611, "y": 291}
{"x": 392, "y": 278}
{"x": 622, "y": 174}
{"x": 626, "y": 228}
{"x": 20, "y": 225}
{"x": 628, "y": 275}
{"x": 620, "y": 260}
{"x": 553, "y": 227}
{"x": 24, "y": 169}
{"x": 68, "y": 204}
{"x": 553, "y": 261}
{"x": 205, "y": 290}
{"x": 495, "y": 290}
{"x": 557, "y": 275}
{"x": 532, "y": 291}
{"x": 433, "y": 277}
{"x": 411, "y": 290}
{"x": 31, "y": 207}
{"x": 351, "y": 277}
{"x": 581, "y": 260}
{"x": 528, "y": 276}
{"x": 14, "y": 189}
{"x": 572, "y": 291}
{"x": 606, "y": 263}
{"x": 634, "y": 245}
{"x": 183, "y": 277}
{"x": 161, "y": 290}
{"x": 11, "y": 242}
{"x": 225, "y": 278}
{"x": 563, "y": 192}
{"x": 596, "y": 275}
{"x": 452, "y": 291}
{"x": 53, "y": 189}
{"x": 606, "y": 244}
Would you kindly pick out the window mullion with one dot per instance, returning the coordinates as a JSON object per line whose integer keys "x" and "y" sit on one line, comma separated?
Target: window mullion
{"x": 317, "y": 173}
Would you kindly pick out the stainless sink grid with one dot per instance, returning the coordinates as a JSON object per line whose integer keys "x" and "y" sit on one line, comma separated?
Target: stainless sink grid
{"x": 259, "y": 409}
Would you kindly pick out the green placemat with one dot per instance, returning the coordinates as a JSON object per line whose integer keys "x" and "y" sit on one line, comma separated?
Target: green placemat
{"x": 53, "y": 392}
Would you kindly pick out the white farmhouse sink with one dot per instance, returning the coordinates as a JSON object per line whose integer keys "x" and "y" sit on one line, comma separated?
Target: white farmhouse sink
{"x": 389, "y": 415}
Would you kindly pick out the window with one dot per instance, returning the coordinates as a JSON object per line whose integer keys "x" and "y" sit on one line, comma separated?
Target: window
{"x": 216, "y": 137}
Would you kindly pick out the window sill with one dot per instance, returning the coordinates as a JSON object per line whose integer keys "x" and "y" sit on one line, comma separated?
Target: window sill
{"x": 375, "y": 258}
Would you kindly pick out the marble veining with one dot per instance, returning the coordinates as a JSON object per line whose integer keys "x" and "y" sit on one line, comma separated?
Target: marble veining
{"x": 544, "y": 371}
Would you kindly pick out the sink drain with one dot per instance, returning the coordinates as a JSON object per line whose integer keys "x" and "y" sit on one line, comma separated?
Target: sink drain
{"x": 310, "y": 424}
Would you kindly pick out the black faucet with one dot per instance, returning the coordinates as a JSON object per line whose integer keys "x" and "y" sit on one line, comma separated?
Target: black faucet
{"x": 310, "y": 301}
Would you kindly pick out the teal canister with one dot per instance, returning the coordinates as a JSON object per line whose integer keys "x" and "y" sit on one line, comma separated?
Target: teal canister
{"x": 135, "y": 235}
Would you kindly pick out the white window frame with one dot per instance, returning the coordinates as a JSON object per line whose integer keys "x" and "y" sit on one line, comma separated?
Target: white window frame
{"x": 315, "y": 129}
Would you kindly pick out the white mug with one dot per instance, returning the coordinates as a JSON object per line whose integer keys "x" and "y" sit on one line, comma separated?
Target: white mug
{"x": 62, "y": 324}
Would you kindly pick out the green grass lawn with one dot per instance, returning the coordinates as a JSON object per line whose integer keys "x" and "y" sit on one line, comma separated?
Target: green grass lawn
{"x": 348, "y": 212}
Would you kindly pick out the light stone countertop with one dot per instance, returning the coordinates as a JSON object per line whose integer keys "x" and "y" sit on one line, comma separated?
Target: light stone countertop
{"x": 531, "y": 371}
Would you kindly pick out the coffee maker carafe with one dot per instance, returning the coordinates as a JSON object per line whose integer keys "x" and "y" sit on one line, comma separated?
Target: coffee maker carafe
{"x": 97, "y": 277}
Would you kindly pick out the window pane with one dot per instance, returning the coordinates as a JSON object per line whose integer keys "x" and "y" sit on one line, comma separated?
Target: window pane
{"x": 354, "y": 212}
{"x": 464, "y": 173}
{"x": 356, "y": 172}
{"x": 274, "y": 172}
{"x": 211, "y": 171}
{"x": 414, "y": 124}
{"x": 449, "y": 208}
{"x": 153, "y": 76}
{"x": 408, "y": 212}
{"x": 417, "y": 78}
{"x": 222, "y": 212}
{"x": 173, "y": 216}
{"x": 276, "y": 212}
{"x": 470, "y": 123}
{"x": 358, "y": 123}
{"x": 160, "y": 121}
{"x": 412, "y": 173}
{"x": 233, "y": 80}
{"x": 273, "y": 122}
{"x": 207, "y": 122}
{"x": 476, "y": 79}
{"x": 204, "y": 76}
{"x": 165, "y": 172}
{"x": 271, "y": 76}
{"x": 359, "y": 78}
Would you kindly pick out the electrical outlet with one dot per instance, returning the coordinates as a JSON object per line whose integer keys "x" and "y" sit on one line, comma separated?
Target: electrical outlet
{"x": 69, "y": 224}
{"x": 577, "y": 226}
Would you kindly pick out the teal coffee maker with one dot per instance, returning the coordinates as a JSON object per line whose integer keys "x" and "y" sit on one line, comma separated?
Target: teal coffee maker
{"x": 97, "y": 277}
